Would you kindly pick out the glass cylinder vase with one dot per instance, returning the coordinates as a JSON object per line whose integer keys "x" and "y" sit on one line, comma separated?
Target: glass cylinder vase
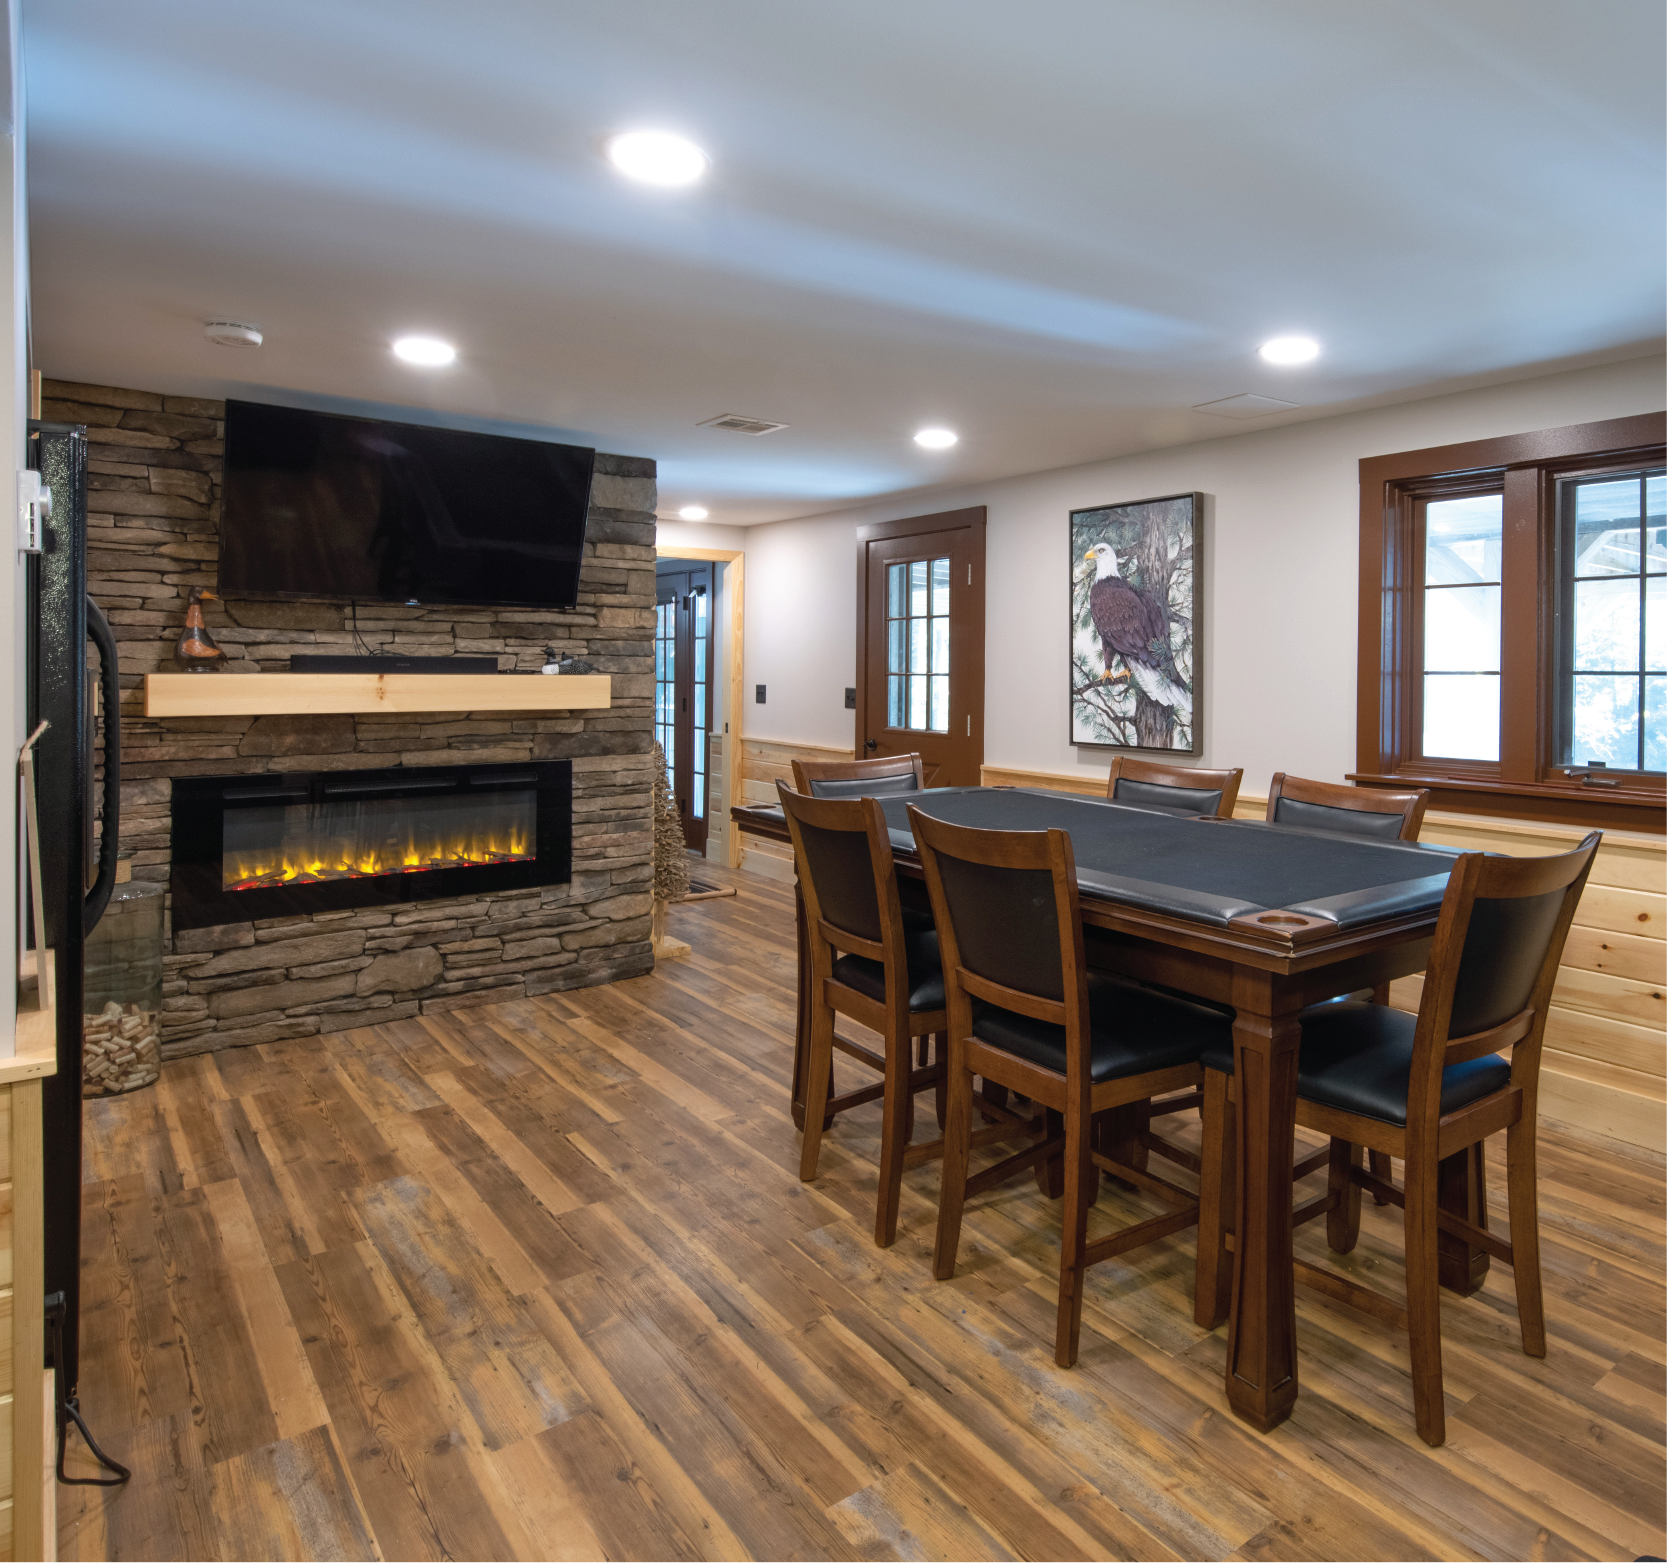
{"x": 121, "y": 1026}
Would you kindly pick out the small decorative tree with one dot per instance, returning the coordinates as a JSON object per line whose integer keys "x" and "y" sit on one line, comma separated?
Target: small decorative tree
{"x": 671, "y": 854}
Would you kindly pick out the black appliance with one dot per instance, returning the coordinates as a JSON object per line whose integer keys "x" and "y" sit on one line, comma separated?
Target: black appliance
{"x": 318, "y": 505}
{"x": 78, "y": 858}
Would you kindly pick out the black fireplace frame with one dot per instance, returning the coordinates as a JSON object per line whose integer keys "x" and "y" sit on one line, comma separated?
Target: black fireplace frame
{"x": 199, "y": 803}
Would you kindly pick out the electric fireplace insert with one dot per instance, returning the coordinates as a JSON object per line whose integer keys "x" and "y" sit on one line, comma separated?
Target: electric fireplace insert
{"x": 252, "y": 847}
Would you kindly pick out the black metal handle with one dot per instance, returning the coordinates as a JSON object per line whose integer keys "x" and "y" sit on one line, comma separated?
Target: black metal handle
{"x": 109, "y": 836}
{"x": 873, "y": 743}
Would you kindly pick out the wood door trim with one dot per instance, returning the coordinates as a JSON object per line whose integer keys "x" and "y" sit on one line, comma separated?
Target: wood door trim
{"x": 973, "y": 520}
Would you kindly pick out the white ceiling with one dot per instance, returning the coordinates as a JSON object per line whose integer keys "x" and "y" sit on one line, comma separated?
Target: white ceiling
{"x": 1053, "y": 226}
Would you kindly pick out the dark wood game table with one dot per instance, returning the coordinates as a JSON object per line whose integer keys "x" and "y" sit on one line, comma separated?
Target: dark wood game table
{"x": 1261, "y": 918}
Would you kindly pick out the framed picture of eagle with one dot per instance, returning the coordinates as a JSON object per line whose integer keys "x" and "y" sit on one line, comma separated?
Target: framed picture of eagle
{"x": 1134, "y": 632}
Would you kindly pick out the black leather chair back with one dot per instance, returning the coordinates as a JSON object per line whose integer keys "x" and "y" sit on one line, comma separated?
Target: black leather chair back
{"x": 1006, "y": 924}
{"x": 1504, "y": 949}
{"x": 842, "y": 871}
{"x": 1341, "y": 822}
{"x": 1173, "y": 800}
{"x": 862, "y": 787}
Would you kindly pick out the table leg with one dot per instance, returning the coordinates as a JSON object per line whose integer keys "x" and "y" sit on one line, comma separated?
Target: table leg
{"x": 1461, "y": 1187}
{"x": 1261, "y": 1341}
{"x": 801, "y": 1025}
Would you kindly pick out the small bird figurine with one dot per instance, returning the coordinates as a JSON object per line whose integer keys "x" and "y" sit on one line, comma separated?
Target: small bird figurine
{"x": 196, "y": 649}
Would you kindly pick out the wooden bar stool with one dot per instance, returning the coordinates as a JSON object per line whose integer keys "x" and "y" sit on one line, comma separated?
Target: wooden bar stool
{"x": 1366, "y": 812}
{"x": 1427, "y": 1088}
{"x": 1026, "y": 1013}
{"x": 841, "y": 779}
{"x": 888, "y": 978}
{"x": 1175, "y": 789}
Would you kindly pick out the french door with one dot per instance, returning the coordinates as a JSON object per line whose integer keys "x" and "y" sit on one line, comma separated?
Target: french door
{"x": 683, "y": 687}
{"x": 920, "y": 675}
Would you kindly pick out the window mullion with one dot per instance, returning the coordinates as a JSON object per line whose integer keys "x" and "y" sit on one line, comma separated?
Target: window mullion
{"x": 1525, "y": 585}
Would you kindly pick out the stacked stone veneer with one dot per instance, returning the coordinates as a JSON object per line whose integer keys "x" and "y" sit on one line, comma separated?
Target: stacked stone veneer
{"x": 153, "y": 533}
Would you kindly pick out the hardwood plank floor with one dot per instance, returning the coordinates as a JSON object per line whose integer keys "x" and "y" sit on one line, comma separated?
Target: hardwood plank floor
{"x": 538, "y": 1279}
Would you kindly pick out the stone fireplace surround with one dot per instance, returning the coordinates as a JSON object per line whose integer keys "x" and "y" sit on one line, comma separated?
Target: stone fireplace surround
{"x": 152, "y": 530}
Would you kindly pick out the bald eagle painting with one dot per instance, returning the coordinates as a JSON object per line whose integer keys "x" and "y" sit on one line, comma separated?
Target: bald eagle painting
{"x": 1133, "y": 634}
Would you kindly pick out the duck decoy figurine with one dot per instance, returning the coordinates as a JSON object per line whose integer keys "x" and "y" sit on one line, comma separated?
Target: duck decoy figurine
{"x": 196, "y": 650}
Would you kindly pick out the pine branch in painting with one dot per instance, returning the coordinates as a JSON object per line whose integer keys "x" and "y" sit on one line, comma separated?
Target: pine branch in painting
{"x": 1133, "y": 634}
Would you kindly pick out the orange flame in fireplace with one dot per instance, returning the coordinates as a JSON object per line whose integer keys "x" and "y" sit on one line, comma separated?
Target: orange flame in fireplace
{"x": 328, "y": 858}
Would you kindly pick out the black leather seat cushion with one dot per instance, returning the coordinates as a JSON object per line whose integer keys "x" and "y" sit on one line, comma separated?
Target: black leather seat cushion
{"x": 1135, "y": 1029}
{"x": 1358, "y": 1059}
{"x": 920, "y": 942}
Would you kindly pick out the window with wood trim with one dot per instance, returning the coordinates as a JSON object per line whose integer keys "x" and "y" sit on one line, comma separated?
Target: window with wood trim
{"x": 1513, "y": 624}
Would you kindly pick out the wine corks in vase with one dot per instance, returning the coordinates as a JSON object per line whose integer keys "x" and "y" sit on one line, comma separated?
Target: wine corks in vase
{"x": 121, "y": 1049}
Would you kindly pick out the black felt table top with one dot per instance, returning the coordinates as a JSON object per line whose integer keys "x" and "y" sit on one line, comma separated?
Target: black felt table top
{"x": 1209, "y": 870}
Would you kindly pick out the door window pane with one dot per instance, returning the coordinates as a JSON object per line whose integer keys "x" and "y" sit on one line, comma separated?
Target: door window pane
{"x": 918, "y": 607}
{"x": 1606, "y": 719}
{"x": 1461, "y": 716}
{"x": 940, "y": 587}
{"x": 940, "y": 703}
{"x": 917, "y": 645}
{"x": 1655, "y": 624}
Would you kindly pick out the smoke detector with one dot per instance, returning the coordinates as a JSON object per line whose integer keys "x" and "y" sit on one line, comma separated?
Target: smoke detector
{"x": 232, "y": 333}
{"x": 736, "y": 424}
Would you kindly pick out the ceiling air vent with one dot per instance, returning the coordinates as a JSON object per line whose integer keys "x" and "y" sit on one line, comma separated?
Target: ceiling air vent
{"x": 736, "y": 424}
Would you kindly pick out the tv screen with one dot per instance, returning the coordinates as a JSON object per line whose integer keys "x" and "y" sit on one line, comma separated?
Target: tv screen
{"x": 317, "y": 505}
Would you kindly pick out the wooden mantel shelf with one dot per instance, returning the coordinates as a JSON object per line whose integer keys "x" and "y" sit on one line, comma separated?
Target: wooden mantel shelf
{"x": 289, "y": 694}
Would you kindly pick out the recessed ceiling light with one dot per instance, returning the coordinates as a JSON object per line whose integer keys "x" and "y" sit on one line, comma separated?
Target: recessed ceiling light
{"x": 428, "y": 351}
{"x": 693, "y": 513}
{"x": 1291, "y": 350}
{"x": 657, "y": 158}
{"x": 936, "y": 439}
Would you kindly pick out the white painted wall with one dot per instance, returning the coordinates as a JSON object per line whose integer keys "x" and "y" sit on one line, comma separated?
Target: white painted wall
{"x": 1280, "y": 578}
{"x": 14, "y": 410}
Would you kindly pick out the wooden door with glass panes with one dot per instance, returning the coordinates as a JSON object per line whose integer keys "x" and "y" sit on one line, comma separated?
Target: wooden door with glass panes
{"x": 920, "y": 676}
{"x": 683, "y": 687}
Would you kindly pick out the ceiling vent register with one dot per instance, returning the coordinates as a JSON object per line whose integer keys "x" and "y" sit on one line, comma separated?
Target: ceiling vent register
{"x": 736, "y": 424}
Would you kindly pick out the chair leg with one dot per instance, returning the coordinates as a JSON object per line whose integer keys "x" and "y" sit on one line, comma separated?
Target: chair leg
{"x": 818, "y": 1084}
{"x": 1074, "y": 1235}
{"x": 957, "y": 1147}
{"x": 995, "y": 1095}
{"x": 1382, "y": 1165}
{"x": 1424, "y": 1303}
{"x": 1342, "y": 1221}
{"x": 1523, "y": 1194}
{"x": 940, "y": 1092}
{"x": 1213, "y": 1278}
{"x": 896, "y": 1130}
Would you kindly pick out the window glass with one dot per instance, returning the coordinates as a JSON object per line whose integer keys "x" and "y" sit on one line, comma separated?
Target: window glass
{"x": 1463, "y": 545}
{"x": 917, "y": 645}
{"x": 1614, "y": 561}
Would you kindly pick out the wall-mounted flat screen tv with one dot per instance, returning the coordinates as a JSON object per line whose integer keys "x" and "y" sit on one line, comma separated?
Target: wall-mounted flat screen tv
{"x": 317, "y": 505}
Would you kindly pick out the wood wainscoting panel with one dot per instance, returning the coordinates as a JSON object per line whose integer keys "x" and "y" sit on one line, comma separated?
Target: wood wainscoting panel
{"x": 764, "y": 762}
